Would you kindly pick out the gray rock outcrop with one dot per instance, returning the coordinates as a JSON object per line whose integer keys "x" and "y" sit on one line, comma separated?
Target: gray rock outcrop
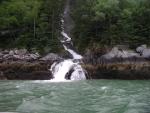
{"x": 144, "y": 51}
{"x": 51, "y": 57}
{"x": 117, "y": 53}
{"x": 18, "y": 54}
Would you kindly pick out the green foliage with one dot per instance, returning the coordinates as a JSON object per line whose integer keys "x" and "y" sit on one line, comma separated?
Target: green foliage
{"x": 30, "y": 24}
{"x": 110, "y": 22}
{"x": 36, "y": 23}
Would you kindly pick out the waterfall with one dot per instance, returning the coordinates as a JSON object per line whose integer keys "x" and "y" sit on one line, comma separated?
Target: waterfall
{"x": 69, "y": 69}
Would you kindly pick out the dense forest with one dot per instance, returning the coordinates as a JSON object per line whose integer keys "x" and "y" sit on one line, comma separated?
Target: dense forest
{"x": 110, "y": 22}
{"x": 31, "y": 24}
{"x": 35, "y": 24}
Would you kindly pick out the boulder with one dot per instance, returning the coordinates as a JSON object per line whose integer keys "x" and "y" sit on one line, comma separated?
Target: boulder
{"x": 7, "y": 56}
{"x": 11, "y": 52}
{"x": 141, "y": 48}
{"x": 51, "y": 57}
{"x": 112, "y": 54}
{"x": 20, "y": 51}
{"x": 27, "y": 57}
{"x": 118, "y": 53}
{"x": 33, "y": 56}
{"x": 144, "y": 51}
{"x": 129, "y": 54}
{"x": 18, "y": 54}
{"x": 17, "y": 57}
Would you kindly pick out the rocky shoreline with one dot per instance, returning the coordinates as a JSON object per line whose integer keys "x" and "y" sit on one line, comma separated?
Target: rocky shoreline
{"x": 24, "y": 70}
{"x": 19, "y": 64}
{"x": 118, "y": 63}
{"x": 124, "y": 71}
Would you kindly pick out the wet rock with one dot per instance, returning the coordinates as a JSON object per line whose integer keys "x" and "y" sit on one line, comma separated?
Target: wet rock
{"x": 68, "y": 75}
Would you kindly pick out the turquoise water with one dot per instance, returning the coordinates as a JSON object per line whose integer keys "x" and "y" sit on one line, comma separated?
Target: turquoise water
{"x": 95, "y": 96}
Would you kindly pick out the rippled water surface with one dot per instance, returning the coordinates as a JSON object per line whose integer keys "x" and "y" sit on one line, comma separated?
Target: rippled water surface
{"x": 97, "y": 96}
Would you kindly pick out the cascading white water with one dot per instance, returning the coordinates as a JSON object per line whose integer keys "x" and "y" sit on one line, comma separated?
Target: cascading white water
{"x": 62, "y": 69}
